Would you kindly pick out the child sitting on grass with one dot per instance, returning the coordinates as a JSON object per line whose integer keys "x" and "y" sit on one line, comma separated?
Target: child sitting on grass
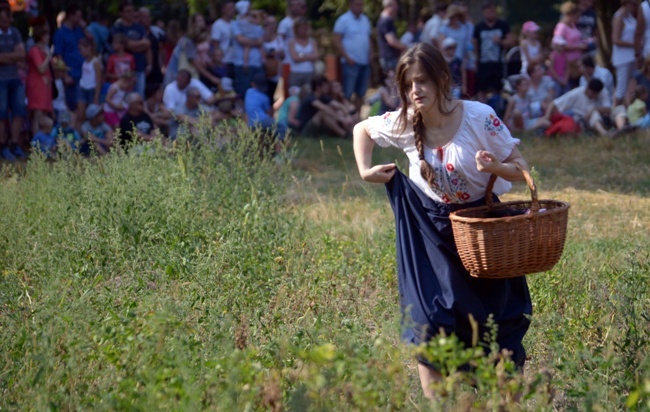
{"x": 96, "y": 130}
{"x": 44, "y": 140}
{"x": 64, "y": 132}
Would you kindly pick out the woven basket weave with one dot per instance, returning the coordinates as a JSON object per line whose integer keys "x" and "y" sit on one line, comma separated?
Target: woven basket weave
{"x": 511, "y": 246}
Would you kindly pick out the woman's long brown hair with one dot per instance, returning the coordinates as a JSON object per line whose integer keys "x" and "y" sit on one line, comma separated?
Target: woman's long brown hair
{"x": 435, "y": 66}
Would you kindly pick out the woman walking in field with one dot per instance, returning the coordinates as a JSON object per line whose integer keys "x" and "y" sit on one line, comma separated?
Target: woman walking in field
{"x": 453, "y": 147}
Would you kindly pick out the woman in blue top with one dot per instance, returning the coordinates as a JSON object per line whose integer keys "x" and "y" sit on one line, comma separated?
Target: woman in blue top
{"x": 453, "y": 147}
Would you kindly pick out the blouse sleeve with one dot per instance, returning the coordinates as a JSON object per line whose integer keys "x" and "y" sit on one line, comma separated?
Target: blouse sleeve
{"x": 495, "y": 136}
{"x": 386, "y": 130}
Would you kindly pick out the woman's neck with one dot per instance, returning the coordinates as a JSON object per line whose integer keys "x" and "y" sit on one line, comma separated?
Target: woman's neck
{"x": 435, "y": 119}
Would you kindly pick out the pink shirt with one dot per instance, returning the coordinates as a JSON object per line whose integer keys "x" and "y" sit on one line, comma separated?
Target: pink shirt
{"x": 573, "y": 38}
{"x": 560, "y": 61}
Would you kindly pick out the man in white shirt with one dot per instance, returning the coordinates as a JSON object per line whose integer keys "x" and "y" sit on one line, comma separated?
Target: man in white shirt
{"x": 432, "y": 26}
{"x": 590, "y": 70}
{"x": 221, "y": 34}
{"x": 352, "y": 32}
{"x": 592, "y": 107}
{"x": 175, "y": 93}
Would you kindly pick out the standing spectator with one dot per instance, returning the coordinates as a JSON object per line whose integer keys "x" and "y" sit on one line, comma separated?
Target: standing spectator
{"x": 530, "y": 46}
{"x": 274, "y": 51}
{"x": 559, "y": 65}
{"x": 623, "y": 28}
{"x": 454, "y": 27}
{"x": 352, "y": 32}
{"x": 156, "y": 39}
{"x": 591, "y": 70}
{"x": 137, "y": 44}
{"x": 12, "y": 91}
{"x": 295, "y": 10}
{"x": 491, "y": 36}
{"x": 303, "y": 52}
{"x": 432, "y": 25}
{"x": 92, "y": 78}
{"x": 221, "y": 34}
{"x": 568, "y": 29}
{"x": 247, "y": 47}
{"x": 39, "y": 76}
{"x": 172, "y": 35}
{"x": 642, "y": 33}
{"x": 119, "y": 62}
{"x": 388, "y": 43}
{"x": 588, "y": 25}
{"x": 98, "y": 27}
{"x": 66, "y": 47}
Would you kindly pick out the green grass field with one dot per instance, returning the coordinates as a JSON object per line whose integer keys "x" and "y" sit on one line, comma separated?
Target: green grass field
{"x": 208, "y": 279}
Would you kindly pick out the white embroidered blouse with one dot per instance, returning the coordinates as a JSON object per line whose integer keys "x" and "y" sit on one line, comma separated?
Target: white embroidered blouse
{"x": 457, "y": 179}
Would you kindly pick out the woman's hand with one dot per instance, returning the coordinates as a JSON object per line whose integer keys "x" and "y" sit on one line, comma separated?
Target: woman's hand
{"x": 486, "y": 161}
{"x": 380, "y": 173}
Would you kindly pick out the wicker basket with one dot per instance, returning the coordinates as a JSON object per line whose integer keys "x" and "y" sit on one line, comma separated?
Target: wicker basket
{"x": 510, "y": 246}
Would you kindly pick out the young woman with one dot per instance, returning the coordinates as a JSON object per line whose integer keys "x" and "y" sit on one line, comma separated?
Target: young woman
{"x": 623, "y": 28}
{"x": 39, "y": 77}
{"x": 453, "y": 147}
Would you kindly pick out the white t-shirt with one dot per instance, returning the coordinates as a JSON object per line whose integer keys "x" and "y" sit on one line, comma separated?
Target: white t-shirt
{"x": 457, "y": 179}
{"x": 285, "y": 31}
{"x": 431, "y": 28}
{"x": 604, "y": 76}
{"x": 576, "y": 101}
{"x": 222, "y": 33}
{"x": 173, "y": 97}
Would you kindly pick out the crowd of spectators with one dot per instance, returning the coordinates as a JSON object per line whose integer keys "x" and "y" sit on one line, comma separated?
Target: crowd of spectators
{"x": 80, "y": 82}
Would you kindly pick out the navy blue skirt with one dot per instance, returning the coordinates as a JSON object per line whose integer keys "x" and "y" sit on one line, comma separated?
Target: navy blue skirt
{"x": 436, "y": 291}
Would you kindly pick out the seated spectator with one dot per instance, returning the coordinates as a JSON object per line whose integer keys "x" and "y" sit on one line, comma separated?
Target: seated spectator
{"x": 115, "y": 105}
{"x": 227, "y": 101}
{"x": 637, "y": 111}
{"x": 541, "y": 90}
{"x": 96, "y": 130}
{"x": 136, "y": 123}
{"x": 155, "y": 107}
{"x": 175, "y": 92}
{"x": 288, "y": 112}
{"x": 44, "y": 140}
{"x": 316, "y": 114}
{"x": 247, "y": 52}
{"x": 518, "y": 115}
{"x": 347, "y": 111}
{"x": 186, "y": 115}
{"x": 64, "y": 132}
{"x": 590, "y": 70}
{"x": 119, "y": 62}
{"x": 257, "y": 107}
{"x": 591, "y": 107}
{"x": 216, "y": 67}
{"x": 639, "y": 78}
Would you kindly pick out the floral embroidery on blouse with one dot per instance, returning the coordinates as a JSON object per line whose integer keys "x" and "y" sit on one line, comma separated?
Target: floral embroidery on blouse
{"x": 455, "y": 187}
{"x": 493, "y": 124}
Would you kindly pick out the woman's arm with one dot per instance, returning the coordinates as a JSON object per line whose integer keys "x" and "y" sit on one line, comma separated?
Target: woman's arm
{"x": 363, "y": 145}
{"x": 488, "y": 162}
{"x": 99, "y": 79}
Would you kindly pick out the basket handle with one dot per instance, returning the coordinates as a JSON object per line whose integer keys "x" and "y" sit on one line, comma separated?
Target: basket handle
{"x": 529, "y": 180}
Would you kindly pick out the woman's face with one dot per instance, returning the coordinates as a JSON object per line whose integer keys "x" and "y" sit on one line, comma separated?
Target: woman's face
{"x": 420, "y": 88}
{"x": 199, "y": 21}
{"x": 302, "y": 30}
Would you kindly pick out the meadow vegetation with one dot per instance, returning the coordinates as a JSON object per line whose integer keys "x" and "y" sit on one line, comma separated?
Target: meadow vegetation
{"x": 206, "y": 277}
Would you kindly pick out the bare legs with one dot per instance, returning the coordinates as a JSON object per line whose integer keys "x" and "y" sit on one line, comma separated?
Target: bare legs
{"x": 428, "y": 377}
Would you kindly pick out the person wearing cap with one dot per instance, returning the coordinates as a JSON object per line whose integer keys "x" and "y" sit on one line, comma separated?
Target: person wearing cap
{"x": 575, "y": 46}
{"x": 96, "y": 130}
{"x": 390, "y": 48}
{"x": 530, "y": 46}
{"x": 456, "y": 67}
{"x": 491, "y": 37}
{"x": 67, "y": 134}
{"x": 12, "y": 52}
{"x": 351, "y": 39}
{"x": 559, "y": 67}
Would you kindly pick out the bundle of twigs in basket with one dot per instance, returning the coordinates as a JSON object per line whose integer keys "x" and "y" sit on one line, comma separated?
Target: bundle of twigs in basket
{"x": 504, "y": 240}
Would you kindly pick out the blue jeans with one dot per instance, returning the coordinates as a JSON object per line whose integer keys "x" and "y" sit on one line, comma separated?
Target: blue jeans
{"x": 140, "y": 81}
{"x": 388, "y": 64}
{"x": 355, "y": 79}
{"x": 12, "y": 96}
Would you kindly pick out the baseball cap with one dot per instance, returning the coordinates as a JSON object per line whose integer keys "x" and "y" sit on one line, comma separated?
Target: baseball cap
{"x": 92, "y": 111}
{"x": 448, "y": 42}
{"x": 530, "y": 27}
